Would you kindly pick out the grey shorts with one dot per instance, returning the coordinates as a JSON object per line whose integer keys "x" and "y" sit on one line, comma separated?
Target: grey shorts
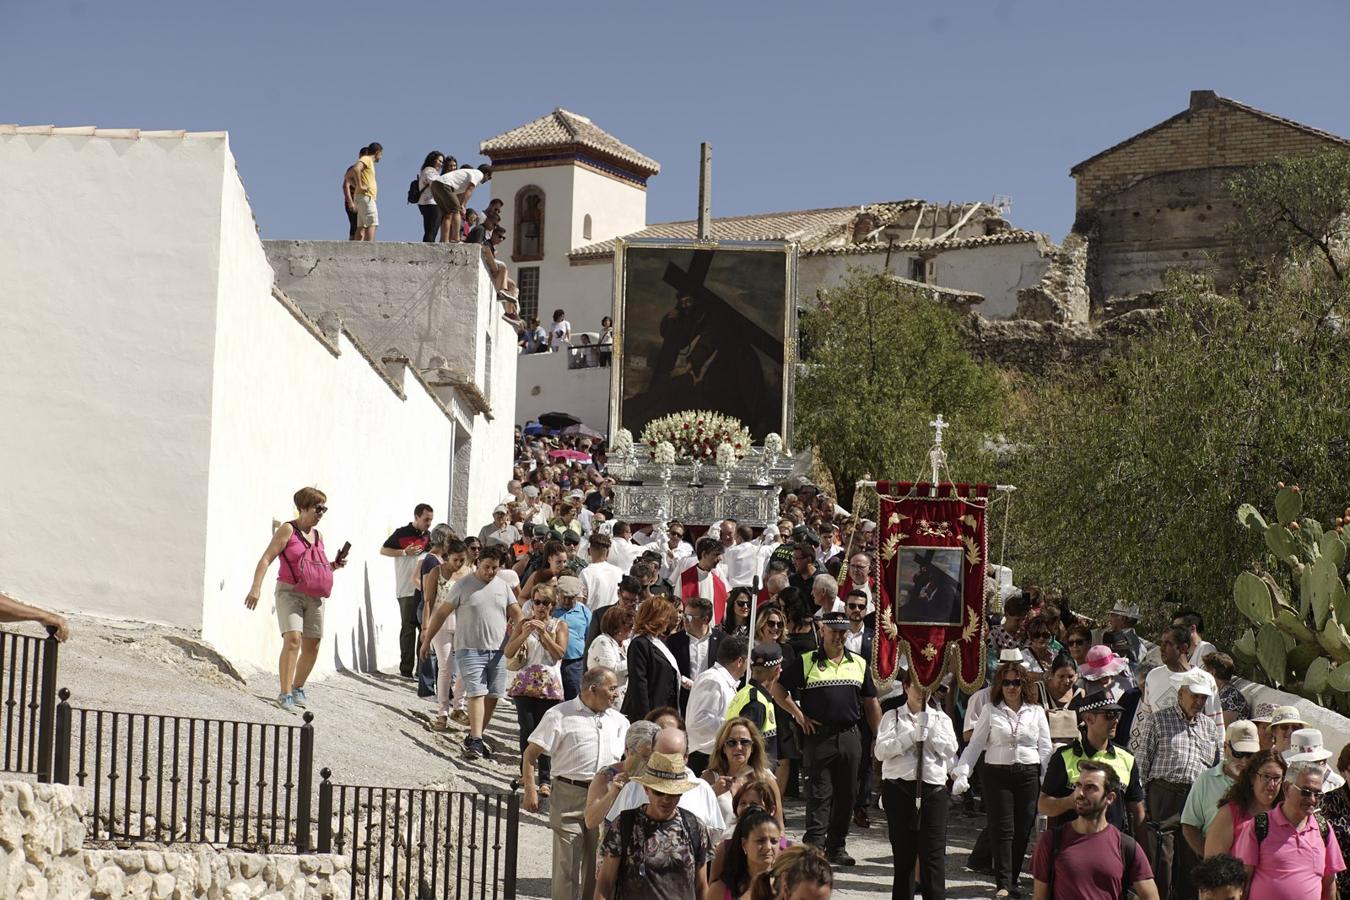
{"x": 367, "y": 213}
{"x": 483, "y": 671}
{"x": 445, "y": 198}
{"x": 299, "y": 612}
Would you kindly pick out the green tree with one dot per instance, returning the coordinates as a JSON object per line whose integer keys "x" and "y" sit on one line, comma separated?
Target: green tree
{"x": 882, "y": 361}
{"x": 1132, "y": 472}
{"x": 1295, "y": 209}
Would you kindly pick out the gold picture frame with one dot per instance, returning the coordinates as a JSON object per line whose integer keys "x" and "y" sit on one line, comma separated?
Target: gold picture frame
{"x": 761, "y": 323}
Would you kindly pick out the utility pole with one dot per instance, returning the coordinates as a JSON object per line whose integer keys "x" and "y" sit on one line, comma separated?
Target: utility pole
{"x": 705, "y": 192}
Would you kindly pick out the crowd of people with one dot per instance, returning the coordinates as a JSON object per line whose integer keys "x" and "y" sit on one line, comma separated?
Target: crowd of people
{"x": 664, "y": 737}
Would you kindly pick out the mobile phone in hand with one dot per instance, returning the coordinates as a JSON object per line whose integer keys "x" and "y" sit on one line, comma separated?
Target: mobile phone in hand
{"x": 342, "y": 554}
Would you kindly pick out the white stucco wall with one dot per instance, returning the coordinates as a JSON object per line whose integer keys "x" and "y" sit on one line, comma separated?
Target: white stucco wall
{"x": 288, "y": 413}
{"x": 428, "y": 300}
{"x": 997, "y": 272}
{"x": 106, "y": 339}
{"x": 164, "y": 405}
{"x": 544, "y": 383}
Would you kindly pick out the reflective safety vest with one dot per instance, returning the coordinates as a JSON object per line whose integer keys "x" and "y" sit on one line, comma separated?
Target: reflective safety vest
{"x": 1115, "y": 758}
{"x": 757, "y": 705}
{"x": 849, "y": 671}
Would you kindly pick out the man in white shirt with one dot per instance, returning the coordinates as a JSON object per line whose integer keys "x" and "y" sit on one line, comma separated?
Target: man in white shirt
{"x": 584, "y": 516}
{"x": 741, "y": 560}
{"x": 601, "y": 577}
{"x": 452, "y": 191}
{"x": 622, "y": 550}
{"x": 673, "y": 548}
{"x": 582, "y": 736}
{"x": 1193, "y": 622}
{"x": 701, "y": 801}
{"x": 711, "y": 695}
{"x": 693, "y": 646}
{"x": 1159, "y": 693}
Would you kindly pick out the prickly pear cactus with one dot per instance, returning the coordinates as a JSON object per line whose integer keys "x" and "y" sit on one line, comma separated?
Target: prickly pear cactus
{"x": 1300, "y": 644}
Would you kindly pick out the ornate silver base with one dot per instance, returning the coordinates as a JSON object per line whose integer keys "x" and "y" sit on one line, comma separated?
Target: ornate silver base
{"x": 655, "y": 503}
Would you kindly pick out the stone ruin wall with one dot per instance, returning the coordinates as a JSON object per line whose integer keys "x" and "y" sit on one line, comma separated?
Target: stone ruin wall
{"x": 42, "y": 855}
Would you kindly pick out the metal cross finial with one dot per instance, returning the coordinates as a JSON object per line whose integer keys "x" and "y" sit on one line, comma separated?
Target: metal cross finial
{"x": 938, "y": 425}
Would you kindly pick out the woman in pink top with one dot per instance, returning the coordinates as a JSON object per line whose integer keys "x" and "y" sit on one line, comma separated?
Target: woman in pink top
{"x": 1257, "y": 789}
{"x": 304, "y": 580}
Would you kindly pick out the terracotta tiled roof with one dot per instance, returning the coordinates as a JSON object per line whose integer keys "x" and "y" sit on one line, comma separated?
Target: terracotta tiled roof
{"x": 794, "y": 225}
{"x": 1232, "y": 104}
{"x": 561, "y": 128}
{"x": 825, "y": 231}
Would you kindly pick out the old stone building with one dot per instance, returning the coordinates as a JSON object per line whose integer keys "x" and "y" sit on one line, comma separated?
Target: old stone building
{"x": 1159, "y": 200}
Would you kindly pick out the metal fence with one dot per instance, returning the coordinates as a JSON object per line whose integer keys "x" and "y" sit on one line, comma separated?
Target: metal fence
{"x": 419, "y": 843}
{"x": 28, "y": 671}
{"x": 163, "y": 779}
{"x": 180, "y": 779}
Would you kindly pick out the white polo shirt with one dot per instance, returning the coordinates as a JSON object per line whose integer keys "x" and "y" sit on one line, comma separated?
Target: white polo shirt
{"x": 580, "y": 740}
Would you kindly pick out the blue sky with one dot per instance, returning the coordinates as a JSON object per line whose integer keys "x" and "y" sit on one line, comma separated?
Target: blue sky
{"x": 806, "y": 105}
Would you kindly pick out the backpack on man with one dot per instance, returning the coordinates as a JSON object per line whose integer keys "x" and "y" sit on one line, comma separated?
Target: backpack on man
{"x": 1129, "y": 849}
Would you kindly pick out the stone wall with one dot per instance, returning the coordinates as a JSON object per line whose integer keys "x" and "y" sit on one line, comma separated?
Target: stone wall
{"x": 1036, "y": 347}
{"x": 1160, "y": 201}
{"x": 1062, "y": 293}
{"x": 42, "y": 855}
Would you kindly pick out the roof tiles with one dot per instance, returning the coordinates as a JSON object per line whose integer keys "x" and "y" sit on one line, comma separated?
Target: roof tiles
{"x": 562, "y": 128}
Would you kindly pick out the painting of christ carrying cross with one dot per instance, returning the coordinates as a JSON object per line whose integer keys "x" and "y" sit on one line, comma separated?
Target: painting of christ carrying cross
{"x": 706, "y": 327}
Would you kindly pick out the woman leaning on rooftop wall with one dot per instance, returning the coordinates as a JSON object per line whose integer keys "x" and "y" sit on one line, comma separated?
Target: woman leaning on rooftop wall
{"x": 304, "y": 581}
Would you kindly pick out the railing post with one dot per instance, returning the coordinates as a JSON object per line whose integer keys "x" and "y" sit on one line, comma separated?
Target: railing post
{"x": 325, "y": 811}
{"x": 512, "y": 845}
{"x": 61, "y": 739}
{"x": 47, "y": 706}
{"x": 304, "y": 798}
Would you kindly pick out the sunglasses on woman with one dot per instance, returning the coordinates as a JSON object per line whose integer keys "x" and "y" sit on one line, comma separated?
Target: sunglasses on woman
{"x": 773, "y": 624}
{"x": 738, "y": 742}
{"x": 1012, "y": 682}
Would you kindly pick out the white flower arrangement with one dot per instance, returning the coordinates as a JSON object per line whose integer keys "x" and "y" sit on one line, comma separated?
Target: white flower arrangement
{"x": 664, "y": 454}
{"x": 726, "y": 456}
{"x": 773, "y": 444}
{"x": 697, "y": 434}
{"x": 622, "y": 444}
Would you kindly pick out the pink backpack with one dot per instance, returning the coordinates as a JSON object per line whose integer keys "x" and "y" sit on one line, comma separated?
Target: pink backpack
{"x": 311, "y": 573}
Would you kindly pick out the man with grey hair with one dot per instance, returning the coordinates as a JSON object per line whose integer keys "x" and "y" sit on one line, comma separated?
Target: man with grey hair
{"x": 825, "y": 594}
{"x": 1290, "y": 851}
{"x": 700, "y": 800}
{"x": 583, "y": 736}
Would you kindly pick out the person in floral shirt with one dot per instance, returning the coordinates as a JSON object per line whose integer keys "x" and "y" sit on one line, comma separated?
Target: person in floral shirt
{"x": 534, "y": 653}
{"x": 657, "y": 851}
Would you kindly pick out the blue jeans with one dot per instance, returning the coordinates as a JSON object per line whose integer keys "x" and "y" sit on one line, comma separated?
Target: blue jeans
{"x": 572, "y": 670}
{"x": 426, "y": 669}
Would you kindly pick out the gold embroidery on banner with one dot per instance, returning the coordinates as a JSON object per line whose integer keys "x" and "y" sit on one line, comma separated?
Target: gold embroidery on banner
{"x": 934, "y": 529}
{"x": 972, "y": 550}
{"x": 929, "y": 651}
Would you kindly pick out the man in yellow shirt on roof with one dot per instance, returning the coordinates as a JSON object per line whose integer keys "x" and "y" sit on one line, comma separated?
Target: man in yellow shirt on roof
{"x": 367, "y": 214}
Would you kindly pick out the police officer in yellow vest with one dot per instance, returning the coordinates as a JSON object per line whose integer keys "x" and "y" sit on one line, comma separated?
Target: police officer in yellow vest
{"x": 755, "y": 700}
{"x": 837, "y": 691}
{"x": 1098, "y": 716}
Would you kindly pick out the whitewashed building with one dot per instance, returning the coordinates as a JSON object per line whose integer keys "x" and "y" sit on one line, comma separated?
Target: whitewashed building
{"x": 570, "y": 189}
{"x": 163, "y": 400}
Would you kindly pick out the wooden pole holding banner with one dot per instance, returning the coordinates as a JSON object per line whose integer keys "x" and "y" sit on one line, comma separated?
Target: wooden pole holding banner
{"x": 705, "y": 191}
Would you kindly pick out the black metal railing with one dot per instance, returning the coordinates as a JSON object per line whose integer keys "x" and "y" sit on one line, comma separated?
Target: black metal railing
{"x": 180, "y": 779}
{"x": 421, "y": 843}
{"x": 27, "y": 717}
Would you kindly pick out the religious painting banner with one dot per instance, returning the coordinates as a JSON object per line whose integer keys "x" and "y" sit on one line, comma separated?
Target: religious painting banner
{"x": 929, "y": 572}
{"x": 708, "y": 325}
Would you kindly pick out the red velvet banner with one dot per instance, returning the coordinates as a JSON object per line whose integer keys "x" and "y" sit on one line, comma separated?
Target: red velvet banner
{"x": 929, "y": 573}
